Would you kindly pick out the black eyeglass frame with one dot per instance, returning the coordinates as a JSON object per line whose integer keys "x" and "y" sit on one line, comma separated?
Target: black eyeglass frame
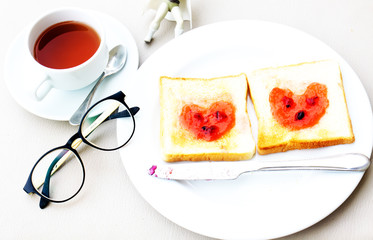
{"x": 119, "y": 96}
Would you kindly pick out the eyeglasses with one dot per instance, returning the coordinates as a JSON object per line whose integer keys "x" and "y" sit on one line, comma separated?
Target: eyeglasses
{"x": 59, "y": 174}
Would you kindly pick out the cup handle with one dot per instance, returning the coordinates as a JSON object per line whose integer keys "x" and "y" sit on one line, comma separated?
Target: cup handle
{"x": 43, "y": 89}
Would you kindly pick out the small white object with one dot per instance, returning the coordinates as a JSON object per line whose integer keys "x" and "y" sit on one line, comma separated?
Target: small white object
{"x": 179, "y": 13}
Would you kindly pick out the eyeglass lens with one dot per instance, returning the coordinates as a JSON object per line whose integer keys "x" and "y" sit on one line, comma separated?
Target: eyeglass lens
{"x": 100, "y": 125}
{"x": 62, "y": 171}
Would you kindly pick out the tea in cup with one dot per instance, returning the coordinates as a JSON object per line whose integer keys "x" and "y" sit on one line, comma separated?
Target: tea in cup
{"x": 69, "y": 46}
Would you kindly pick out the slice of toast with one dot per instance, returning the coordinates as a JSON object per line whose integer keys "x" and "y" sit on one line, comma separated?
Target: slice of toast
{"x": 278, "y": 132}
{"x": 199, "y": 102}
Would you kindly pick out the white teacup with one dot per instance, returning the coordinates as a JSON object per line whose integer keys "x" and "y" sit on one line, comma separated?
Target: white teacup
{"x": 71, "y": 77}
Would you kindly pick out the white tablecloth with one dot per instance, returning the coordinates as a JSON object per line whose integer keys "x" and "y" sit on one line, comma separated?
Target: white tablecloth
{"x": 109, "y": 207}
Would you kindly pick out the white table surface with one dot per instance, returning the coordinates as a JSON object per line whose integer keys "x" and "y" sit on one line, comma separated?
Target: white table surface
{"x": 109, "y": 207}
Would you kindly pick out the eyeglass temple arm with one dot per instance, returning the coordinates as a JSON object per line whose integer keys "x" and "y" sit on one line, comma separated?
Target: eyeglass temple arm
{"x": 124, "y": 113}
{"x": 45, "y": 191}
{"x": 121, "y": 114}
{"x": 55, "y": 165}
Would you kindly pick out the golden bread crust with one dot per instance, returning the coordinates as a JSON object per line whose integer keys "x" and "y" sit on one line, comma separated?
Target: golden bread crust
{"x": 179, "y": 144}
{"x": 333, "y": 128}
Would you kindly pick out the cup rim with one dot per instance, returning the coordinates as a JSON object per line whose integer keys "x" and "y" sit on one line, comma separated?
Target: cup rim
{"x": 98, "y": 28}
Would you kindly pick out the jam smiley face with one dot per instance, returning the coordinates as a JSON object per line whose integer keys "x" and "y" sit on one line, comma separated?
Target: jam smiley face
{"x": 210, "y": 123}
{"x": 299, "y": 111}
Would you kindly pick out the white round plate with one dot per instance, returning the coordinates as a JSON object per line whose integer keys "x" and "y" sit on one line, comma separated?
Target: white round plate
{"x": 22, "y": 77}
{"x": 258, "y": 205}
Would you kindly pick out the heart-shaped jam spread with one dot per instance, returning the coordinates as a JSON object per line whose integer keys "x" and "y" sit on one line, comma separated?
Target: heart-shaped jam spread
{"x": 299, "y": 111}
{"x": 208, "y": 123}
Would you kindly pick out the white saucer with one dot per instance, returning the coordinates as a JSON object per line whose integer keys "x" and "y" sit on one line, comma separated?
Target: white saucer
{"x": 21, "y": 76}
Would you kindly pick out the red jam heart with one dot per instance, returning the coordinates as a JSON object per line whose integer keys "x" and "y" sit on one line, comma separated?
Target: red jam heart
{"x": 208, "y": 123}
{"x": 299, "y": 111}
